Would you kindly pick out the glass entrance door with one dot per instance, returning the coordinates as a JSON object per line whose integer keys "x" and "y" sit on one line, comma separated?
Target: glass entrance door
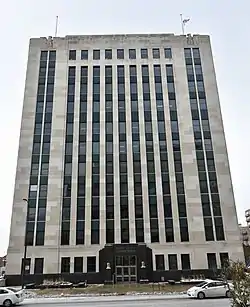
{"x": 126, "y": 269}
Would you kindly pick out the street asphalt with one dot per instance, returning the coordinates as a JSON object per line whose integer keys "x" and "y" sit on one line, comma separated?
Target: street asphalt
{"x": 136, "y": 301}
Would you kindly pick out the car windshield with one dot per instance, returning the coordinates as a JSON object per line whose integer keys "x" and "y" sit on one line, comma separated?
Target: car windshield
{"x": 202, "y": 284}
{"x": 13, "y": 290}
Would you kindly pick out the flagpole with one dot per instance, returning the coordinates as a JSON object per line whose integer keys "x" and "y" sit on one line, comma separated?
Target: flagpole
{"x": 182, "y": 25}
{"x": 56, "y": 26}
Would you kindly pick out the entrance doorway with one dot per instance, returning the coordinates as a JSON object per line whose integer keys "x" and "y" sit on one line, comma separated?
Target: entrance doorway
{"x": 126, "y": 269}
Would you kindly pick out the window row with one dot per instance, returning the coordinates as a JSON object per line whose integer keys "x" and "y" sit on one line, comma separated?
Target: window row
{"x": 160, "y": 261}
{"x": 121, "y": 54}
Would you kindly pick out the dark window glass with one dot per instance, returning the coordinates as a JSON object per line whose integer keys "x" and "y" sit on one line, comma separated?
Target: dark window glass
{"x": 169, "y": 230}
{"x": 125, "y": 231}
{"x": 159, "y": 262}
{"x": 84, "y": 54}
{"x": 172, "y": 262}
{"x": 78, "y": 264}
{"x": 184, "y": 230}
{"x": 25, "y": 265}
{"x": 139, "y": 230}
{"x": 168, "y": 53}
{"x": 95, "y": 233}
{"x": 120, "y": 54}
{"x": 72, "y": 55}
{"x": 38, "y": 269}
{"x": 110, "y": 231}
{"x": 156, "y": 53}
{"x": 144, "y": 53}
{"x": 80, "y": 226}
{"x": 185, "y": 262}
{"x": 224, "y": 259}
{"x": 65, "y": 265}
{"x": 91, "y": 264}
{"x": 219, "y": 229}
{"x": 132, "y": 53}
{"x": 154, "y": 230}
{"x": 209, "y": 233}
{"x": 211, "y": 261}
{"x": 96, "y": 54}
{"x": 108, "y": 54}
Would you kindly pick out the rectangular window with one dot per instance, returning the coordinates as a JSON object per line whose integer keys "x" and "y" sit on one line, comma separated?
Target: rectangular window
{"x": 96, "y": 54}
{"x": 172, "y": 262}
{"x": 185, "y": 262}
{"x": 26, "y": 265}
{"x": 84, "y": 54}
{"x": 38, "y": 269}
{"x": 159, "y": 263}
{"x": 211, "y": 261}
{"x": 132, "y": 54}
{"x": 156, "y": 53}
{"x": 108, "y": 54}
{"x": 144, "y": 53}
{"x": 224, "y": 259}
{"x": 124, "y": 225}
{"x": 72, "y": 55}
{"x": 219, "y": 229}
{"x": 168, "y": 53}
{"x": 91, "y": 264}
{"x": 209, "y": 233}
{"x": 65, "y": 265}
{"x": 120, "y": 54}
{"x": 78, "y": 264}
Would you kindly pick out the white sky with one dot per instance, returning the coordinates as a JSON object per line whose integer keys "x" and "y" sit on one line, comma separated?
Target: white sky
{"x": 227, "y": 21}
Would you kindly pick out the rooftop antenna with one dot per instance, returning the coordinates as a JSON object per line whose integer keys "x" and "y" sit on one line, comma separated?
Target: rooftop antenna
{"x": 56, "y": 26}
{"x": 183, "y": 23}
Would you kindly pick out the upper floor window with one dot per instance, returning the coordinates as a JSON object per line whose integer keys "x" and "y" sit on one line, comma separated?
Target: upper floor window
{"x": 132, "y": 54}
{"x": 144, "y": 53}
{"x": 84, "y": 54}
{"x": 72, "y": 55}
{"x": 96, "y": 54}
{"x": 120, "y": 54}
{"x": 108, "y": 54}
{"x": 168, "y": 53}
{"x": 156, "y": 53}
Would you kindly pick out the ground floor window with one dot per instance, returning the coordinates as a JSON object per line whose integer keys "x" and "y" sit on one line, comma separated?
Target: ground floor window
{"x": 159, "y": 263}
{"x": 211, "y": 261}
{"x": 91, "y": 264}
{"x": 65, "y": 265}
{"x": 38, "y": 269}
{"x": 172, "y": 262}
{"x": 78, "y": 264}
{"x": 185, "y": 262}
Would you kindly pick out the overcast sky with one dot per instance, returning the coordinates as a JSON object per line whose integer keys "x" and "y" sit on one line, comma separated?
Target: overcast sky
{"x": 227, "y": 21}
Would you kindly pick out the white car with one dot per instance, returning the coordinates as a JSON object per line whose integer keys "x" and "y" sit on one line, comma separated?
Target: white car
{"x": 10, "y": 296}
{"x": 210, "y": 288}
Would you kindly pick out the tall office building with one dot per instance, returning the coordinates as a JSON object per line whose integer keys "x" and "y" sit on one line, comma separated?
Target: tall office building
{"x": 122, "y": 160}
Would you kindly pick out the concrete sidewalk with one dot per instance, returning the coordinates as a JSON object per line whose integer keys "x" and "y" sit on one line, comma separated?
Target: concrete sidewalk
{"x": 113, "y": 298}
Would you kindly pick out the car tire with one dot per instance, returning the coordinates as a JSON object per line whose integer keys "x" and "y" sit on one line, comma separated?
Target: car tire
{"x": 201, "y": 295}
{"x": 228, "y": 294}
{"x": 7, "y": 303}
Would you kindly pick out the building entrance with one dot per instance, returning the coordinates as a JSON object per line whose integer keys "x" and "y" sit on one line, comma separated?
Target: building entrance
{"x": 126, "y": 269}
